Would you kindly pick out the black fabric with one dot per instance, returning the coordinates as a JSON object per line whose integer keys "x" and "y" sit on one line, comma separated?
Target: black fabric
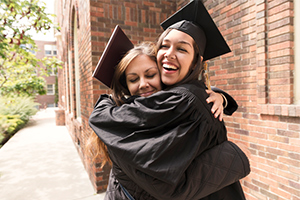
{"x": 217, "y": 169}
{"x": 232, "y": 105}
{"x": 144, "y": 123}
{"x": 114, "y": 191}
{"x": 156, "y": 139}
{"x": 117, "y": 177}
{"x": 195, "y": 13}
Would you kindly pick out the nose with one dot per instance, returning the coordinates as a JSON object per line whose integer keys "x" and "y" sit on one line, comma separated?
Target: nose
{"x": 170, "y": 53}
{"x": 143, "y": 83}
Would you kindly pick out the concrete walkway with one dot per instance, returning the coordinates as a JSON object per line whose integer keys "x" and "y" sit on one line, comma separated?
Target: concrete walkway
{"x": 40, "y": 162}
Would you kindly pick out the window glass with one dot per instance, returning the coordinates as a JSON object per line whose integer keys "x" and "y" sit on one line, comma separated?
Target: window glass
{"x": 50, "y": 89}
{"x": 50, "y": 50}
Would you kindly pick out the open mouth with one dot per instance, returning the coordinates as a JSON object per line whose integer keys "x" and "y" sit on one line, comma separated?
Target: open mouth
{"x": 169, "y": 67}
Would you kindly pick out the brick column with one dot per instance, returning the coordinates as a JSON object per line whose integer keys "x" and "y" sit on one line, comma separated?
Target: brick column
{"x": 60, "y": 117}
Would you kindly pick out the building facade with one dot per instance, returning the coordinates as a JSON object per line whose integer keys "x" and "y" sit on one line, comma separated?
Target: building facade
{"x": 47, "y": 49}
{"x": 261, "y": 73}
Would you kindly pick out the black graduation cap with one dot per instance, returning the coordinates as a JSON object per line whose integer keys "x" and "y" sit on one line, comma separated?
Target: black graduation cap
{"x": 116, "y": 48}
{"x": 194, "y": 20}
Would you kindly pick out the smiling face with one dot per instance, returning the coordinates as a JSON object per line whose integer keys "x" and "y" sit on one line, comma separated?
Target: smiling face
{"x": 142, "y": 76}
{"x": 175, "y": 56}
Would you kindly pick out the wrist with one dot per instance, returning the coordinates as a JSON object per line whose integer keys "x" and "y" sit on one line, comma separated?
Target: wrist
{"x": 225, "y": 102}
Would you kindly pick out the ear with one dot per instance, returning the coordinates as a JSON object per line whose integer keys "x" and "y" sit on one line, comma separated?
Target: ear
{"x": 201, "y": 59}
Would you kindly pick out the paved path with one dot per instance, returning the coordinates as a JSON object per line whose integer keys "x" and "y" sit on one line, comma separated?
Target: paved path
{"x": 40, "y": 162}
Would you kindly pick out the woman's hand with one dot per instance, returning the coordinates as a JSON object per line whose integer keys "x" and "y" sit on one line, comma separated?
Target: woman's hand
{"x": 217, "y": 100}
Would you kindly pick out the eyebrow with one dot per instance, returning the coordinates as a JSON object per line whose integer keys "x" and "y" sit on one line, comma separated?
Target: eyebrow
{"x": 180, "y": 42}
{"x": 151, "y": 68}
{"x": 132, "y": 73}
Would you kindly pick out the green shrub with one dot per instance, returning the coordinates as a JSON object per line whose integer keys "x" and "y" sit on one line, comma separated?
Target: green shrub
{"x": 14, "y": 125}
{"x": 15, "y": 112}
{"x": 3, "y": 126}
{"x": 9, "y": 125}
{"x": 23, "y": 106}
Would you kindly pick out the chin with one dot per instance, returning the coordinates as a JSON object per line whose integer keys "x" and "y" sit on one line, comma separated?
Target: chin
{"x": 168, "y": 82}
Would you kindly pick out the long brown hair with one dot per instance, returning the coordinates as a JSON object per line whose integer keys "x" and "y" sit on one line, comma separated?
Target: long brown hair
{"x": 95, "y": 146}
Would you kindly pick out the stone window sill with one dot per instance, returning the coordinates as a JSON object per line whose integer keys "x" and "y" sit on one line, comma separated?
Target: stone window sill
{"x": 280, "y": 110}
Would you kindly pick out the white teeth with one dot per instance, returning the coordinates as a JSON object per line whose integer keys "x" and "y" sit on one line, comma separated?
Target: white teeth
{"x": 167, "y": 66}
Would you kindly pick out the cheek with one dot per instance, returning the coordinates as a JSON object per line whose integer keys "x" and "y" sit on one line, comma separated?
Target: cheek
{"x": 186, "y": 63}
{"x": 157, "y": 83}
{"x": 131, "y": 88}
{"x": 159, "y": 56}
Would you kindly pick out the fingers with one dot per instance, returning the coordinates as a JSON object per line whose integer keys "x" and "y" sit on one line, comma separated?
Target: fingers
{"x": 218, "y": 112}
{"x": 209, "y": 91}
{"x": 217, "y": 100}
{"x": 221, "y": 116}
{"x": 212, "y": 96}
{"x": 216, "y": 108}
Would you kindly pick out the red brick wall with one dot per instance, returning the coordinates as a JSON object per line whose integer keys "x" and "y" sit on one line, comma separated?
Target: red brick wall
{"x": 258, "y": 73}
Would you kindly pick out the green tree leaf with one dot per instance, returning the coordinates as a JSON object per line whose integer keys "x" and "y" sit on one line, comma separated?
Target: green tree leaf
{"x": 18, "y": 66}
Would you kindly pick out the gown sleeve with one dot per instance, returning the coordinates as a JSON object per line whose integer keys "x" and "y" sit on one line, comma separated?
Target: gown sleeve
{"x": 232, "y": 105}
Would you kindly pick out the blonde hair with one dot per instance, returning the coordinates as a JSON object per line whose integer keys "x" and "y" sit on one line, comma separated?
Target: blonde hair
{"x": 97, "y": 149}
{"x": 95, "y": 146}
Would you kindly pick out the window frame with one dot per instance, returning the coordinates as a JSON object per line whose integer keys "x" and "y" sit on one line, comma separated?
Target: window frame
{"x": 53, "y": 89}
{"x": 50, "y": 49}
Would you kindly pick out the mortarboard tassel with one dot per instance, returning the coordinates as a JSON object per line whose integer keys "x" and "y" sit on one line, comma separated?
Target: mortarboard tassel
{"x": 206, "y": 75}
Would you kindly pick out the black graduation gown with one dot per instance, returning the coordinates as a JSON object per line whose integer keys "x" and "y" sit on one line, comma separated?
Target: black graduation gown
{"x": 156, "y": 141}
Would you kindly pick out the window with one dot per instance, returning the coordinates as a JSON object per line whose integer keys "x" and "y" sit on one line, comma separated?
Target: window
{"x": 297, "y": 52}
{"x": 52, "y": 73}
{"x": 50, "y": 89}
{"x": 70, "y": 81}
{"x": 50, "y": 50}
{"x": 77, "y": 74}
{"x": 286, "y": 101}
{"x": 50, "y": 105}
{"x": 28, "y": 48}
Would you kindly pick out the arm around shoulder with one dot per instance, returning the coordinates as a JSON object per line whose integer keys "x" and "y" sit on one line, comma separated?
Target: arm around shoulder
{"x": 232, "y": 105}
